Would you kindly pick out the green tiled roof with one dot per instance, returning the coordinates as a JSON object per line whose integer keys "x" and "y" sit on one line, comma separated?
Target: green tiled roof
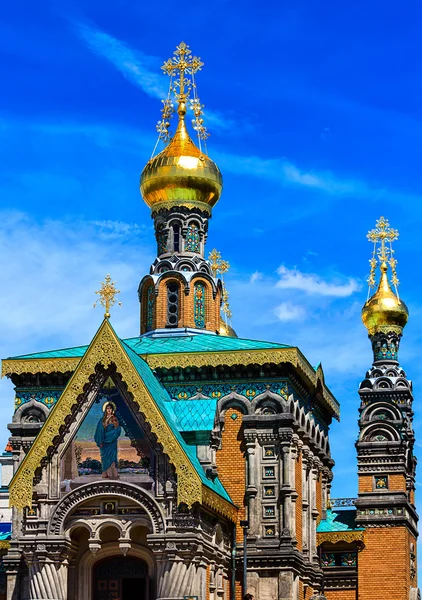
{"x": 194, "y": 415}
{"x": 167, "y": 345}
{"x": 343, "y": 520}
{"x": 163, "y": 400}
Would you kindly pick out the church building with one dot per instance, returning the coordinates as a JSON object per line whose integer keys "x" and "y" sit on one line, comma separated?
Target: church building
{"x": 186, "y": 463}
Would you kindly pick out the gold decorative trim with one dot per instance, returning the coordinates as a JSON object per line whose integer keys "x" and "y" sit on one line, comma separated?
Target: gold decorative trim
{"x": 105, "y": 349}
{"x": 246, "y": 357}
{"x": 218, "y": 504}
{"x": 191, "y": 359}
{"x": 11, "y": 366}
{"x": 4, "y": 544}
{"x": 340, "y": 536}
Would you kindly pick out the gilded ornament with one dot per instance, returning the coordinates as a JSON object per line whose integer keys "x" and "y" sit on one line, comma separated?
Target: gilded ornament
{"x": 107, "y": 293}
{"x": 334, "y": 537}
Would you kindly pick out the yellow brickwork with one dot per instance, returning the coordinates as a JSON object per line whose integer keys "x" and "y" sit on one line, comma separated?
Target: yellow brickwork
{"x": 384, "y": 564}
{"x": 365, "y": 483}
{"x": 397, "y": 483}
{"x": 341, "y": 595}
{"x": 231, "y": 463}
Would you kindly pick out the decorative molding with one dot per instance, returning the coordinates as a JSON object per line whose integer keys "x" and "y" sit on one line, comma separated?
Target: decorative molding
{"x": 105, "y": 488}
{"x": 104, "y": 350}
{"x": 340, "y": 536}
{"x": 245, "y": 357}
{"x": 12, "y": 366}
{"x": 4, "y": 544}
{"x": 218, "y": 504}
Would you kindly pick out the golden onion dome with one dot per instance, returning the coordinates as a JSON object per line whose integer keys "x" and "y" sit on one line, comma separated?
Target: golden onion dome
{"x": 226, "y": 330}
{"x": 181, "y": 175}
{"x": 384, "y": 311}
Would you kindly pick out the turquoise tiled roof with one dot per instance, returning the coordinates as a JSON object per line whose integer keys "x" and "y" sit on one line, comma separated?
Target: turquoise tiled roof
{"x": 163, "y": 401}
{"x": 194, "y": 415}
{"x": 167, "y": 345}
{"x": 343, "y": 520}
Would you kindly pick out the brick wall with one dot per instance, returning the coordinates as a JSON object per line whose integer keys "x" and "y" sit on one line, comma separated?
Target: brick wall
{"x": 341, "y": 595}
{"x": 396, "y": 483}
{"x": 231, "y": 463}
{"x": 384, "y": 564}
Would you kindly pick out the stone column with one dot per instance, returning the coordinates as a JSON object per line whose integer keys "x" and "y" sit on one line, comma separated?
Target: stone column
{"x": 288, "y": 528}
{"x": 47, "y": 579}
{"x": 178, "y": 578}
{"x": 315, "y": 468}
{"x": 252, "y": 483}
{"x": 305, "y": 499}
{"x": 293, "y": 495}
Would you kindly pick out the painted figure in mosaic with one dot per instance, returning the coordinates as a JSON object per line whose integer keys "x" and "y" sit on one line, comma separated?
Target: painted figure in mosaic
{"x": 106, "y": 436}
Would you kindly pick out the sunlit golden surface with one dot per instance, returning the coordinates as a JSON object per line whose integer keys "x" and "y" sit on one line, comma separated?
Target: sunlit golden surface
{"x": 384, "y": 310}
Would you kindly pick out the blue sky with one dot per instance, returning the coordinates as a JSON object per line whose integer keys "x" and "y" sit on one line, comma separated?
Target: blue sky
{"x": 316, "y": 122}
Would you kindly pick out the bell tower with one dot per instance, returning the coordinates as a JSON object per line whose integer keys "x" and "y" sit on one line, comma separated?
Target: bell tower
{"x": 181, "y": 185}
{"x": 386, "y": 465}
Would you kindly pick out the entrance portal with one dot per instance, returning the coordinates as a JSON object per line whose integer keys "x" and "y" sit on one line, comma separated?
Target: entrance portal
{"x": 120, "y": 578}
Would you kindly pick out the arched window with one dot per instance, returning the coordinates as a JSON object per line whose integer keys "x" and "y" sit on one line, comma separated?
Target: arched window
{"x": 150, "y": 308}
{"x": 199, "y": 305}
{"x": 172, "y": 304}
{"x": 176, "y": 237}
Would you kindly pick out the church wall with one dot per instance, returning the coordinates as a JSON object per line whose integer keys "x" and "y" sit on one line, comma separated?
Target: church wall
{"x": 341, "y": 595}
{"x": 231, "y": 464}
{"x": 319, "y": 497}
{"x": 384, "y": 564}
{"x": 396, "y": 483}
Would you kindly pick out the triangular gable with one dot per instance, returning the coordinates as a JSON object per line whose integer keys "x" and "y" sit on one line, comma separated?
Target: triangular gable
{"x": 106, "y": 348}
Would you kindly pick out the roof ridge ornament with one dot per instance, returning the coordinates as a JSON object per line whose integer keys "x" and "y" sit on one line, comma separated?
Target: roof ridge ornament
{"x": 107, "y": 293}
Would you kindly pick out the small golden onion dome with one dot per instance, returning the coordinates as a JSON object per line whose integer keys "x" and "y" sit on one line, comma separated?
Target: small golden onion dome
{"x": 226, "y": 330}
{"x": 384, "y": 311}
{"x": 181, "y": 175}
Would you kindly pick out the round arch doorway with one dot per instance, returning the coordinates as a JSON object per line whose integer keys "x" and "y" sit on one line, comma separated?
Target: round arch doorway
{"x": 120, "y": 578}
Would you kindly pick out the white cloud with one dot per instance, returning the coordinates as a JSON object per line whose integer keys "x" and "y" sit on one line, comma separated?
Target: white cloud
{"x": 312, "y": 284}
{"x": 286, "y": 311}
{"x": 255, "y": 277}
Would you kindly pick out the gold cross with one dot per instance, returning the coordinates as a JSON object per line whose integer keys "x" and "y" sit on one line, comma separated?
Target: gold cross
{"x": 183, "y": 64}
{"x": 107, "y": 295}
{"x": 383, "y": 236}
{"x": 217, "y": 265}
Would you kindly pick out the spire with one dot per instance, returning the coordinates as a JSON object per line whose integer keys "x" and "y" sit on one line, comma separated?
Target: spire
{"x": 384, "y": 314}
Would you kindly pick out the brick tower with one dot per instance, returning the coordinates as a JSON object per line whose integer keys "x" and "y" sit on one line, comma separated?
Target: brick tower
{"x": 386, "y": 465}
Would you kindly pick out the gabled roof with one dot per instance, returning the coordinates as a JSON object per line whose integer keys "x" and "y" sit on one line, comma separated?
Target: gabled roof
{"x": 152, "y": 399}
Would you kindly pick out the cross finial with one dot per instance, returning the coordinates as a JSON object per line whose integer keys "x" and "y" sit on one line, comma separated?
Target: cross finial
{"x": 181, "y": 69}
{"x": 218, "y": 266}
{"x": 107, "y": 295}
{"x": 383, "y": 254}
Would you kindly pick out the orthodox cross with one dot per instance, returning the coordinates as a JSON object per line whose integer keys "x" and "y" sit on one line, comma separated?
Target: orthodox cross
{"x": 382, "y": 237}
{"x": 181, "y": 69}
{"x": 217, "y": 265}
{"x": 107, "y": 295}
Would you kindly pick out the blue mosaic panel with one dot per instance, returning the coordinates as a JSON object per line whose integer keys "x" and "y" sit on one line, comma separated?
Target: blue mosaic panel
{"x": 199, "y": 305}
{"x": 161, "y": 237}
{"x": 328, "y": 559}
{"x": 386, "y": 351}
{"x": 348, "y": 559}
{"x": 192, "y": 242}
{"x": 150, "y": 308}
{"x": 381, "y": 483}
{"x": 47, "y": 397}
